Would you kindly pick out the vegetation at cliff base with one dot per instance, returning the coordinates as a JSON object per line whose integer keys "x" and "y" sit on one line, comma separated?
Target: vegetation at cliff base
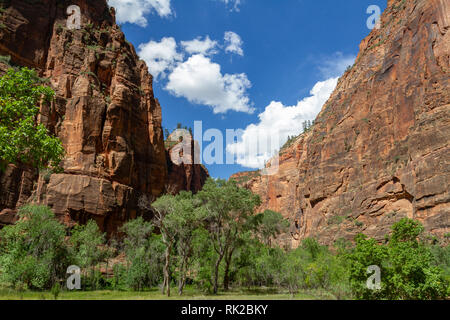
{"x": 214, "y": 244}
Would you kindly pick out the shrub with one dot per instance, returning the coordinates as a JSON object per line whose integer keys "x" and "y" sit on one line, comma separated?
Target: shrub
{"x": 408, "y": 268}
{"x": 86, "y": 246}
{"x": 144, "y": 253}
{"x": 33, "y": 252}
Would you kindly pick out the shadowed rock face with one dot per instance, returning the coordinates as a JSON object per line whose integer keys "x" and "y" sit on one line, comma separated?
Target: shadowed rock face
{"x": 105, "y": 114}
{"x": 184, "y": 174}
{"x": 379, "y": 149}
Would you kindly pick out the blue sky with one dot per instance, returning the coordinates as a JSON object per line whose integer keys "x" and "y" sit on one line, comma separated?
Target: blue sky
{"x": 253, "y": 61}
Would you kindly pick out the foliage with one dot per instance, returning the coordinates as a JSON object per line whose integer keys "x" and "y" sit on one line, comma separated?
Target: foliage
{"x": 87, "y": 250}
{"x": 228, "y": 210}
{"x": 143, "y": 251}
{"x": 407, "y": 266}
{"x": 22, "y": 140}
{"x": 269, "y": 225}
{"x": 198, "y": 229}
{"x": 256, "y": 264}
{"x": 33, "y": 252}
{"x": 203, "y": 260}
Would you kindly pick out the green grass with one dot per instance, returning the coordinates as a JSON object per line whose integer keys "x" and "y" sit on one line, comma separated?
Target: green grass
{"x": 154, "y": 294}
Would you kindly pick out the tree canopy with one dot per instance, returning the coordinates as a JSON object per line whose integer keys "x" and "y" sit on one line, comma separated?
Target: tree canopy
{"x": 22, "y": 139}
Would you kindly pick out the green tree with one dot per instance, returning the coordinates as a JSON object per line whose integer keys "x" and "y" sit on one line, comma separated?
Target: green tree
{"x": 441, "y": 256}
{"x": 186, "y": 219}
{"x": 228, "y": 210}
{"x": 411, "y": 273}
{"x": 269, "y": 225}
{"x": 88, "y": 247}
{"x": 22, "y": 140}
{"x": 367, "y": 252}
{"x": 407, "y": 266}
{"x": 256, "y": 264}
{"x": 165, "y": 207}
{"x": 144, "y": 252}
{"x": 33, "y": 251}
{"x": 203, "y": 260}
{"x": 177, "y": 217}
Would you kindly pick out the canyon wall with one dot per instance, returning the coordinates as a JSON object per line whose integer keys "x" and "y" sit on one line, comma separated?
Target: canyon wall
{"x": 379, "y": 149}
{"x": 105, "y": 114}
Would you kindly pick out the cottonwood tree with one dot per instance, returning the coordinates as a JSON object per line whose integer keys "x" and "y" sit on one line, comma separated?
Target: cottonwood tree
{"x": 143, "y": 251}
{"x": 269, "y": 225}
{"x": 176, "y": 217}
{"x": 406, "y": 263}
{"x": 228, "y": 209}
{"x": 87, "y": 244}
{"x": 187, "y": 218}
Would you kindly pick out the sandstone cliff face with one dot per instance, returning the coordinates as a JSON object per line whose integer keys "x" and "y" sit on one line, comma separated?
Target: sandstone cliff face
{"x": 184, "y": 174}
{"x": 379, "y": 149}
{"x": 105, "y": 114}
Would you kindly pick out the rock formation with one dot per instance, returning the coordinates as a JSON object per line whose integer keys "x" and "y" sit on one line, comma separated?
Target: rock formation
{"x": 105, "y": 114}
{"x": 379, "y": 149}
{"x": 184, "y": 174}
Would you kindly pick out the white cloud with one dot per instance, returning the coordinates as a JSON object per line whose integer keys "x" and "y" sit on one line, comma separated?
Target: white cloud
{"x": 279, "y": 121}
{"x": 160, "y": 56}
{"x": 205, "y": 47}
{"x": 200, "y": 81}
{"x": 134, "y": 11}
{"x": 233, "y": 43}
{"x": 197, "y": 78}
{"x": 335, "y": 65}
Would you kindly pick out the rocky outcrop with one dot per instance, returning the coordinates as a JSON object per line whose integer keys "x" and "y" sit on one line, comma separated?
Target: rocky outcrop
{"x": 105, "y": 114}
{"x": 184, "y": 174}
{"x": 379, "y": 149}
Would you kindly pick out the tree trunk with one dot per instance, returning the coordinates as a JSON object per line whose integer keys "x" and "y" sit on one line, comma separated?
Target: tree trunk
{"x": 163, "y": 289}
{"x": 216, "y": 274}
{"x": 182, "y": 277}
{"x": 226, "y": 278}
{"x": 181, "y": 284}
{"x": 167, "y": 269}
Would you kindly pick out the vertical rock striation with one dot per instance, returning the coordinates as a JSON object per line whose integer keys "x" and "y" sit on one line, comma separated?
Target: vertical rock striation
{"x": 379, "y": 149}
{"x": 184, "y": 174}
{"x": 105, "y": 114}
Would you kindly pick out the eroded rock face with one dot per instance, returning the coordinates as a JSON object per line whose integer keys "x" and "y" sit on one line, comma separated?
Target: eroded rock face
{"x": 184, "y": 174}
{"x": 105, "y": 113}
{"x": 379, "y": 149}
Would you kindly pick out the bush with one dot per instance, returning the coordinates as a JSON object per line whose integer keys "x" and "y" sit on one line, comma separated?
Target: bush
{"x": 204, "y": 257}
{"x": 33, "y": 252}
{"x": 408, "y": 269}
{"x": 144, "y": 253}
{"x": 87, "y": 251}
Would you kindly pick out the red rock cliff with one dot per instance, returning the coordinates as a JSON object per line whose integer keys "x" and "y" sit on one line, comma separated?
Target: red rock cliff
{"x": 184, "y": 174}
{"x": 379, "y": 149}
{"x": 105, "y": 113}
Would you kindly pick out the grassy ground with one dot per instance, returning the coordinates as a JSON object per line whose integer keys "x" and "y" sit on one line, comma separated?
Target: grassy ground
{"x": 190, "y": 294}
